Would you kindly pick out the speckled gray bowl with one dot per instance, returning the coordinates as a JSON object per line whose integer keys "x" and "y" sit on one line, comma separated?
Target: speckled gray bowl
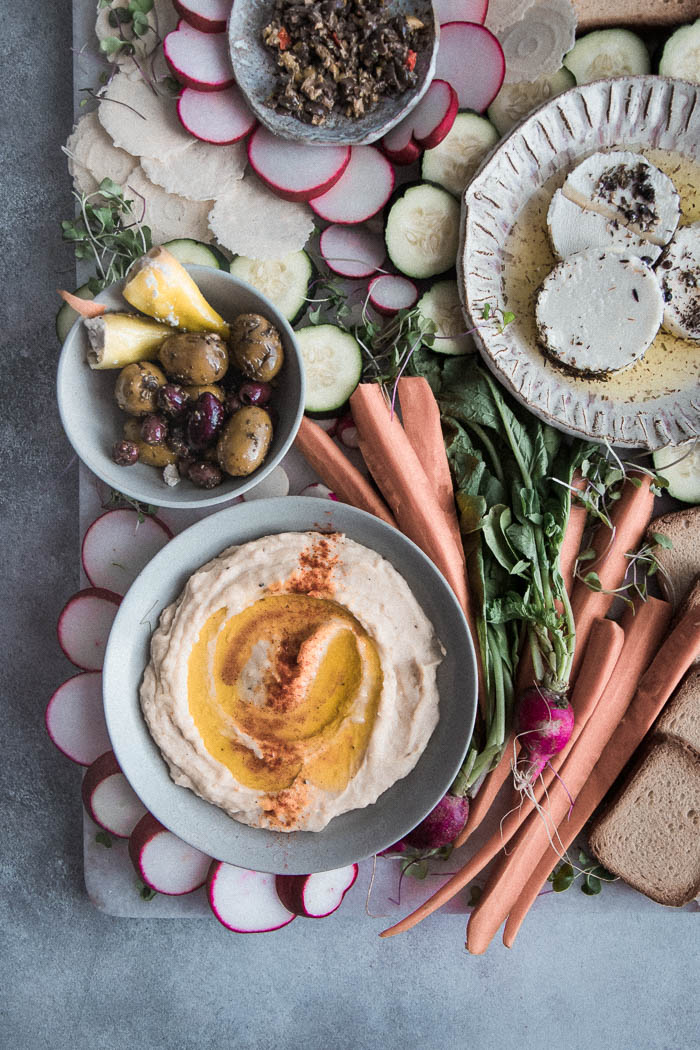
{"x": 93, "y": 422}
{"x": 351, "y": 836}
{"x": 255, "y": 71}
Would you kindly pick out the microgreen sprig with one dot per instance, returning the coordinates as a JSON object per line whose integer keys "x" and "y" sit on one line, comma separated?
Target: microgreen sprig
{"x": 108, "y": 232}
{"x": 593, "y": 875}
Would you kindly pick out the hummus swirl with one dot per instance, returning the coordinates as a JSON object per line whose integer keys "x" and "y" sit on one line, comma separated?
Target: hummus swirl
{"x": 294, "y": 679}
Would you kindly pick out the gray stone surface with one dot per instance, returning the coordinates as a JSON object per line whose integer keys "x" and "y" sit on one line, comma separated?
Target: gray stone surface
{"x": 582, "y": 974}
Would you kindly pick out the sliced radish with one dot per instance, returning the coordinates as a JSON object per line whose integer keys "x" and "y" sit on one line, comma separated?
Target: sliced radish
{"x": 425, "y": 126}
{"x": 390, "y": 293}
{"x": 275, "y": 484}
{"x": 295, "y": 171}
{"x": 199, "y": 60}
{"x": 316, "y": 896}
{"x": 347, "y": 433}
{"x": 209, "y": 16}
{"x": 362, "y": 190}
{"x": 75, "y": 719}
{"x": 246, "y": 901}
{"x": 118, "y": 545}
{"x": 356, "y": 252}
{"x": 219, "y": 117}
{"x": 163, "y": 861}
{"x": 470, "y": 58}
{"x": 109, "y": 798}
{"x": 319, "y": 491}
{"x": 457, "y": 10}
{"x": 84, "y": 625}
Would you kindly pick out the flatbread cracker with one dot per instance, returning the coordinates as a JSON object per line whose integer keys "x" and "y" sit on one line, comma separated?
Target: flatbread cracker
{"x": 201, "y": 172}
{"x": 92, "y": 156}
{"x": 168, "y": 215}
{"x": 139, "y": 121}
{"x": 250, "y": 220}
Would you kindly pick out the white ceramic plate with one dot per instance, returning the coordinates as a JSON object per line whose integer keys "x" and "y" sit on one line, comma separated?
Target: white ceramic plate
{"x": 351, "y": 836}
{"x": 655, "y": 403}
{"x": 93, "y": 422}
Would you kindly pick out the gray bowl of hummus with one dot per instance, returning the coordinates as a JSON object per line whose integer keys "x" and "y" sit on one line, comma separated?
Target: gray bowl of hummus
{"x": 334, "y": 72}
{"x": 290, "y": 685}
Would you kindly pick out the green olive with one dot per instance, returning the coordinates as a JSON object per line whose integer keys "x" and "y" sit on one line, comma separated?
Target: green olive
{"x": 193, "y": 392}
{"x": 137, "y": 386}
{"x": 153, "y": 455}
{"x": 194, "y": 358}
{"x": 245, "y": 441}
{"x": 256, "y": 347}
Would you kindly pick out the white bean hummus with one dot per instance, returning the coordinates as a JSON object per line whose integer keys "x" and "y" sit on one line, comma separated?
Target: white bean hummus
{"x": 294, "y": 679}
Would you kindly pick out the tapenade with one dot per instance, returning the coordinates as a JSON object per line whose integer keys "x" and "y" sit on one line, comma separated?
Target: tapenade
{"x": 341, "y": 56}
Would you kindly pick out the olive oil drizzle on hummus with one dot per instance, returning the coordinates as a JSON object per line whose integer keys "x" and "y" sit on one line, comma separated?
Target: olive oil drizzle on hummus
{"x": 285, "y": 693}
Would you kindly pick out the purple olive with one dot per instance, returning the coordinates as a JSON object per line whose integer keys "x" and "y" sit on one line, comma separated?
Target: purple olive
{"x": 184, "y": 463}
{"x": 255, "y": 394}
{"x": 172, "y": 400}
{"x": 153, "y": 429}
{"x": 205, "y": 475}
{"x": 204, "y": 421}
{"x": 125, "y": 453}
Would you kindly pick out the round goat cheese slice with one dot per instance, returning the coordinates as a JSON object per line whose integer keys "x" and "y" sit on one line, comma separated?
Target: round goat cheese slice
{"x": 598, "y": 312}
{"x": 573, "y": 229}
{"x": 679, "y": 275}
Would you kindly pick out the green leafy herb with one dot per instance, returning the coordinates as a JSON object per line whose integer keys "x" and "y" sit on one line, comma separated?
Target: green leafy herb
{"x": 104, "y": 839}
{"x": 117, "y": 500}
{"x": 146, "y": 893}
{"x": 108, "y": 232}
{"x": 591, "y": 874}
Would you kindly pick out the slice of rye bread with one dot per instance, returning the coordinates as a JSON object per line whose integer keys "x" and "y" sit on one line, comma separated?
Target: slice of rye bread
{"x": 595, "y": 13}
{"x": 679, "y": 565}
{"x": 681, "y": 716}
{"x": 650, "y": 834}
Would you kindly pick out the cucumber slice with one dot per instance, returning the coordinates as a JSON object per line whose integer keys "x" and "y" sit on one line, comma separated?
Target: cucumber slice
{"x": 453, "y": 162}
{"x": 514, "y": 101}
{"x": 680, "y": 465}
{"x": 192, "y": 253}
{"x": 607, "y": 53}
{"x": 422, "y": 231}
{"x": 441, "y": 305}
{"x": 67, "y": 316}
{"x": 332, "y": 365}
{"x": 284, "y": 281}
{"x": 681, "y": 54}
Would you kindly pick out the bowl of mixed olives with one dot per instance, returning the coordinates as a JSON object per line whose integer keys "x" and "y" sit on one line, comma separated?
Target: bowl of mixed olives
{"x": 179, "y": 418}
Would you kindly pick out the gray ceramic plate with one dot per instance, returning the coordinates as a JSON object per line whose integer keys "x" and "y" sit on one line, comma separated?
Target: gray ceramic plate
{"x": 351, "y": 836}
{"x": 255, "y": 70}
{"x": 93, "y": 422}
{"x": 654, "y": 403}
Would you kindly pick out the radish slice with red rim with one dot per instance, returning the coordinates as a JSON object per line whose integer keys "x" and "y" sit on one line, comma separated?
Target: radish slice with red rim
{"x": 84, "y": 625}
{"x": 346, "y": 432}
{"x": 295, "y": 171}
{"x": 246, "y": 901}
{"x": 354, "y": 252}
{"x": 318, "y": 895}
{"x": 425, "y": 126}
{"x": 470, "y": 58}
{"x": 219, "y": 117}
{"x": 164, "y": 862}
{"x": 390, "y": 293}
{"x": 319, "y": 491}
{"x": 209, "y": 16}
{"x": 198, "y": 60}
{"x": 362, "y": 190}
{"x": 75, "y": 718}
{"x": 109, "y": 798}
{"x": 118, "y": 545}
{"x": 459, "y": 11}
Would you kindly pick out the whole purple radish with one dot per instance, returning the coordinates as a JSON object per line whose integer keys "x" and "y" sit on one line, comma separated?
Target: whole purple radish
{"x": 545, "y": 723}
{"x": 442, "y": 825}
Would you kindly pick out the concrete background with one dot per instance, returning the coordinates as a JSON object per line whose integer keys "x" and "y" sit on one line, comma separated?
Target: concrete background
{"x": 580, "y": 976}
